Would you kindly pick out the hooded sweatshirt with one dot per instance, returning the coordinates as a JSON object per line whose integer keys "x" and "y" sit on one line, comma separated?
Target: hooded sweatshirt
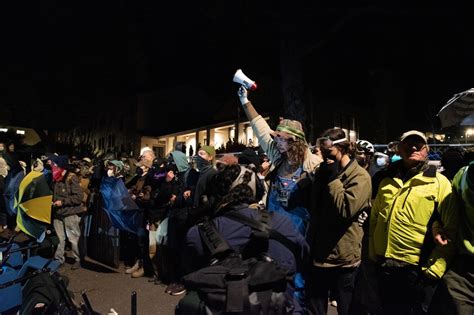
{"x": 181, "y": 161}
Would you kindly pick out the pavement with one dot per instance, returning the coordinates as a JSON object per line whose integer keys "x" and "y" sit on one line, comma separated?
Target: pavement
{"x": 108, "y": 289}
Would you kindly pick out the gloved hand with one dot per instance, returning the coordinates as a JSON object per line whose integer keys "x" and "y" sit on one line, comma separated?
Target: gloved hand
{"x": 242, "y": 93}
{"x": 333, "y": 170}
{"x": 362, "y": 217}
{"x": 328, "y": 171}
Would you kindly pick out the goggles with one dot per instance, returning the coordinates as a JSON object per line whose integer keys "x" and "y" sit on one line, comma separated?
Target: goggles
{"x": 330, "y": 143}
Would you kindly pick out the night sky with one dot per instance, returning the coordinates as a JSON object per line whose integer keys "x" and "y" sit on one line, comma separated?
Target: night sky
{"x": 61, "y": 57}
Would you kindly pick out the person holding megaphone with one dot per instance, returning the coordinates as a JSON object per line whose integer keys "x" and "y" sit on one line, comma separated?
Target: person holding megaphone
{"x": 293, "y": 164}
{"x": 291, "y": 172}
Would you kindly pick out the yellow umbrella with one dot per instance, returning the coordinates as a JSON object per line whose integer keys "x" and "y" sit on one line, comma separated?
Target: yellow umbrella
{"x": 33, "y": 204}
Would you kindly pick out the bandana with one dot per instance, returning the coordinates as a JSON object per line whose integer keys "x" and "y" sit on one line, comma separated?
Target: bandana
{"x": 57, "y": 173}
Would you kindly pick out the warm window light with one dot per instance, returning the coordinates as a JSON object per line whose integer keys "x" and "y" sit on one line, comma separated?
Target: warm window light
{"x": 469, "y": 132}
{"x": 3, "y": 129}
{"x": 20, "y": 132}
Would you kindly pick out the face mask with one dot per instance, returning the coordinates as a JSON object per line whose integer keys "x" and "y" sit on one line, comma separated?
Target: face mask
{"x": 380, "y": 161}
{"x": 361, "y": 160}
{"x": 57, "y": 173}
{"x": 110, "y": 173}
{"x": 201, "y": 163}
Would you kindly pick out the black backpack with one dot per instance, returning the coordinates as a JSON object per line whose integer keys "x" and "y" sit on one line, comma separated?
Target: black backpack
{"x": 50, "y": 289}
{"x": 247, "y": 283}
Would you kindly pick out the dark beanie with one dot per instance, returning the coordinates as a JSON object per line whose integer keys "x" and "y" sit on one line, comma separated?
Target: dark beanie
{"x": 248, "y": 156}
{"x": 62, "y": 160}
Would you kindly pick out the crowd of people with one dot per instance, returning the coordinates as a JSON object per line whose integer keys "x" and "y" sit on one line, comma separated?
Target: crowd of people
{"x": 372, "y": 232}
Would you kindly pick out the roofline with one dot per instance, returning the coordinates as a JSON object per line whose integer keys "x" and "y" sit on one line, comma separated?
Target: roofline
{"x": 216, "y": 125}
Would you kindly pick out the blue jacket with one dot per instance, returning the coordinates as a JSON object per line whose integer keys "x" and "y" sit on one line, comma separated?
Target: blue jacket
{"x": 238, "y": 235}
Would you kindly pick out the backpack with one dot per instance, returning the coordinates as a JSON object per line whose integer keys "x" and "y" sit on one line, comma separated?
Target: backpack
{"x": 247, "y": 283}
{"x": 50, "y": 289}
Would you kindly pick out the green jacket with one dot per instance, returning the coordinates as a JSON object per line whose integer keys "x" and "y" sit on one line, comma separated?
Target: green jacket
{"x": 335, "y": 235}
{"x": 465, "y": 236}
{"x": 401, "y": 214}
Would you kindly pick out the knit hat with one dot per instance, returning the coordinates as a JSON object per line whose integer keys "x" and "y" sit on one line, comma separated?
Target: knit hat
{"x": 62, "y": 160}
{"x": 227, "y": 159}
{"x": 288, "y": 128}
{"x": 248, "y": 156}
{"x": 209, "y": 150}
{"x": 118, "y": 164}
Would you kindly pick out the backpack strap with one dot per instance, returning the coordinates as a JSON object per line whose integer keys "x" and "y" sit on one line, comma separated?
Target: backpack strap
{"x": 214, "y": 242}
{"x": 264, "y": 226}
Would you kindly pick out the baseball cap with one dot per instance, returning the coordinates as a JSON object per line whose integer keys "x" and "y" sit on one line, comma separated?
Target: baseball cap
{"x": 413, "y": 133}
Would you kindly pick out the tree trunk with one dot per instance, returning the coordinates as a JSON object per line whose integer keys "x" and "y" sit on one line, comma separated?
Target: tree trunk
{"x": 292, "y": 80}
{"x": 292, "y": 51}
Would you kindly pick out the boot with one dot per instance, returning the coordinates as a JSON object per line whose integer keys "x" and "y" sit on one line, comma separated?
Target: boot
{"x": 140, "y": 272}
{"x": 133, "y": 268}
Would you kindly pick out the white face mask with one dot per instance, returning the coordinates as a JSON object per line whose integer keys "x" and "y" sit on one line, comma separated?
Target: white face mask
{"x": 110, "y": 173}
{"x": 381, "y": 161}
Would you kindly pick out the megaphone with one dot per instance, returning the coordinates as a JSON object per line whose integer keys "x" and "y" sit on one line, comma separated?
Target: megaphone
{"x": 241, "y": 78}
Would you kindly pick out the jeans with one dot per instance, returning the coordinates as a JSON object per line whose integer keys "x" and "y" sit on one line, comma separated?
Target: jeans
{"x": 68, "y": 226}
{"x": 339, "y": 280}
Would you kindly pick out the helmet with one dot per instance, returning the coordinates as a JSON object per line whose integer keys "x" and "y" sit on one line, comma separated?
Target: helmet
{"x": 366, "y": 146}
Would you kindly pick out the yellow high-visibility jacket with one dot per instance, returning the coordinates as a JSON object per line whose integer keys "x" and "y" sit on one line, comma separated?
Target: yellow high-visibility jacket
{"x": 400, "y": 216}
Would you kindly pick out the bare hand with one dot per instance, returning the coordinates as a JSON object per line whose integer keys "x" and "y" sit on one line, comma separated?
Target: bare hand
{"x": 187, "y": 194}
{"x": 173, "y": 198}
{"x": 58, "y": 203}
{"x": 441, "y": 239}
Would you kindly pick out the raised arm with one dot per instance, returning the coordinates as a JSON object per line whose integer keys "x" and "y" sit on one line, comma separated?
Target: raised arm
{"x": 260, "y": 127}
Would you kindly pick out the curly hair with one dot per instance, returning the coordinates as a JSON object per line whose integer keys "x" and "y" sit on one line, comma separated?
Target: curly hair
{"x": 239, "y": 194}
{"x": 296, "y": 152}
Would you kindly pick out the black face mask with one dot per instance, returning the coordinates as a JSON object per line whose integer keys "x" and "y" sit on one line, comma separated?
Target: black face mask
{"x": 362, "y": 160}
{"x": 201, "y": 163}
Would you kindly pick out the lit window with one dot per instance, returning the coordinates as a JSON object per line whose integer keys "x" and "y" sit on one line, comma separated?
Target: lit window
{"x": 3, "y": 129}
{"x": 20, "y": 132}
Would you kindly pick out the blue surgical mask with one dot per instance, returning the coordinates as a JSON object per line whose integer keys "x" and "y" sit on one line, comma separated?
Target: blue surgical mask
{"x": 381, "y": 161}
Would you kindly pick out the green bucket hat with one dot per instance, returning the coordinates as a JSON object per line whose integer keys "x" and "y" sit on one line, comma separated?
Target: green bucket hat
{"x": 288, "y": 128}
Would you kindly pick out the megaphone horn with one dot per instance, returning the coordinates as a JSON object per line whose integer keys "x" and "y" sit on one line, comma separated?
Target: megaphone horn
{"x": 241, "y": 78}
